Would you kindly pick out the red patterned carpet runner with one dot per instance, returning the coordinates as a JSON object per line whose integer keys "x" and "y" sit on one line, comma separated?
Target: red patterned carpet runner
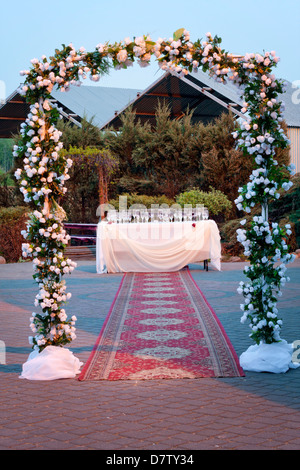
{"x": 160, "y": 326}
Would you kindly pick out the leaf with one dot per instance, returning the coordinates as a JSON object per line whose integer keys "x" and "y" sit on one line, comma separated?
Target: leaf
{"x": 177, "y": 35}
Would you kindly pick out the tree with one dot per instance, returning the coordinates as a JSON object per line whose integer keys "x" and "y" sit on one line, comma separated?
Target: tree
{"x": 159, "y": 159}
{"x": 224, "y": 167}
{"x": 92, "y": 170}
{"x": 122, "y": 143}
{"x": 86, "y": 135}
{"x": 168, "y": 152}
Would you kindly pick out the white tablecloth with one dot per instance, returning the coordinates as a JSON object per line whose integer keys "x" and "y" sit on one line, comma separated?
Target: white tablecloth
{"x": 156, "y": 247}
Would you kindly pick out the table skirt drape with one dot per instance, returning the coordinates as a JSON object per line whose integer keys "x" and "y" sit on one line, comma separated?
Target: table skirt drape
{"x": 156, "y": 247}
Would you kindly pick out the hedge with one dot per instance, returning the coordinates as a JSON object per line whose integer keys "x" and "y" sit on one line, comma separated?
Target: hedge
{"x": 215, "y": 201}
{"x": 12, "y": 221}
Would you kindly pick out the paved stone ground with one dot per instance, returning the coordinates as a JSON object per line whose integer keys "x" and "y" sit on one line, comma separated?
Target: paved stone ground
{"x": 258, "y": 411}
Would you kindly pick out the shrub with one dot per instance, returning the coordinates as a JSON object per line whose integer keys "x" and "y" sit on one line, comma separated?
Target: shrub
{"x": 6, "y": 179}
{"x": 288, "y": 206}
{"x": 230, "y": 244}
{"x": 142, "y": 199}
{"x": 215, "y": 201}
{"x": 232, "y": 247}
{"x": 12, "y": 221}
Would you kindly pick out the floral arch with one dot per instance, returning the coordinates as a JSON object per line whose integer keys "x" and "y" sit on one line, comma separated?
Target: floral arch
{"x": 45, "y": 170}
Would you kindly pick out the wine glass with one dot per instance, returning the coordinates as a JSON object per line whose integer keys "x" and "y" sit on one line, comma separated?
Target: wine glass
{"x": 166, "y": 215}
{"x": 198, "y": 213}
{"x": 178, "y": 215}
{"x": 135, "y": 215}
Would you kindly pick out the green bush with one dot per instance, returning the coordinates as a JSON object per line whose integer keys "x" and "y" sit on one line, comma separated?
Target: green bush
{"x": 215, "y": 201}
{"x": 6, "y": 179}
{"x": 11, "y": 214}
{"x": 12, "y": 221}
{"x": 142, "y": 199}
{"x": 288, "y": 207}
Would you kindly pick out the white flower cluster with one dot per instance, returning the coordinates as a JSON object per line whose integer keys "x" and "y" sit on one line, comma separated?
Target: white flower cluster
{"x": 42, "y": 177}
{"x": 142, "y": 50}
{"x": 42, "y": 229}
{"x": 52, "y": 324}
{"x": 38, "y": 178}
{"x": 50, "y": 75}
{"x": 252, "y": 65}
{"x": 267, "y": 235}
{"x": 260, "y": 145}
{"x": 266, "y": 241}
{"x": 258, "y": 188}
{"x": 182, "y": 55}
{"x": 263, "y": 315}
{"x": 172, "y": 49}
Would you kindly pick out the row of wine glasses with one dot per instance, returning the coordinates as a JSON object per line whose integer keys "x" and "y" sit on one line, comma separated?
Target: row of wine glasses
{"x": 157, "y": 215}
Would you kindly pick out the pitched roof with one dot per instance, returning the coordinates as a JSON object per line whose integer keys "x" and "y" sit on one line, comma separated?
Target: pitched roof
{"x": 95, "y": 102}
{"x": 292, "y": 108}
{"x": 197, "y": 91}
{"x": 200, "y": 93}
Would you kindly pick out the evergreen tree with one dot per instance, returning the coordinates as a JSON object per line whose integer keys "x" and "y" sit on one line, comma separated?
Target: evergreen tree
{"x": 224, "y": 167}
{"x": 131, "y": 176}
{"x": 168, "y": 153}
{"x": 88, "y": 135}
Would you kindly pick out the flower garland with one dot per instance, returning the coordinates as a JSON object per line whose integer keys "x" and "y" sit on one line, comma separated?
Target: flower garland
{"x": 264, "y": 243}
{"x": 44, "y": 171}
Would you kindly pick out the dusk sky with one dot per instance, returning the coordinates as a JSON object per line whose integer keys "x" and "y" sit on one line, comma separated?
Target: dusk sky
{"x": 32, "y": 28}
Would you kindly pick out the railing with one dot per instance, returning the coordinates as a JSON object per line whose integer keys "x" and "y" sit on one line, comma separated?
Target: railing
{"x": 80, "y": 237}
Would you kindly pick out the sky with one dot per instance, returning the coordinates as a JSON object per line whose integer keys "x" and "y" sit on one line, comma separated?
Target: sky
{"x": 34, "y": 28}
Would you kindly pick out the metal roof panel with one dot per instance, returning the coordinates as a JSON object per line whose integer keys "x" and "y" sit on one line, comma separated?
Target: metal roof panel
{"x": 93, "y": 101}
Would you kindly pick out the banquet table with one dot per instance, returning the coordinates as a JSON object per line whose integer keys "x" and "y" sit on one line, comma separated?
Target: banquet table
{"x": 156, "y": 247}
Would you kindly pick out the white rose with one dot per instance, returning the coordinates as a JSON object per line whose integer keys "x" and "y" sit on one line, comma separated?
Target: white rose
{"x": 122, "y": 55}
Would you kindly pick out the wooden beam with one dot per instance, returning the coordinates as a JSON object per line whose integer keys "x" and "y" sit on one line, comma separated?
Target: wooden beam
{"x": 154, "y": 114}
{"x": 179, "y": 116}
{"x": 66, "y": 115}
{"x": 209, "y": 95}
{"x": 170, "y": 95}
{"x": 164, "y": 95}
{"x": 12, "y": 118}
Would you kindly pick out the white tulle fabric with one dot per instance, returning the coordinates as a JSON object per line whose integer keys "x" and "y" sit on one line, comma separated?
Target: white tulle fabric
{"x": 156, "y": 247}
{"x": 274, "y": 357}
{"x": 52, "y": 363}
